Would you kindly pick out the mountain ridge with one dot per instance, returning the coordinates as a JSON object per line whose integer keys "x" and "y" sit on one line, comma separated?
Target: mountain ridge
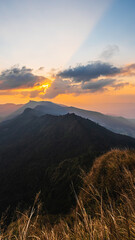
{"x": 116, "y": 124}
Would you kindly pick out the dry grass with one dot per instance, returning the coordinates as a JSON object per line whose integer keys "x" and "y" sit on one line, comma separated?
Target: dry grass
{"x": 108, "y": 220}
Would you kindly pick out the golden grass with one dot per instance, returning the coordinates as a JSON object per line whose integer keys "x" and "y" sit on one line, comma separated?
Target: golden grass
{"x": 108, "y": 220}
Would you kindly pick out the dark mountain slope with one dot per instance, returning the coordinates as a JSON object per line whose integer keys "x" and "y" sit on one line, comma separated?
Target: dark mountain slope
{"x": 69, "y": 133}
{"x": 116, "y": 124}
{"x": 33, "y": 146}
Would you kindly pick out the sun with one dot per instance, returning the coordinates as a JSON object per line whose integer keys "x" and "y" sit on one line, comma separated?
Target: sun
{"x": 45, "y": 86}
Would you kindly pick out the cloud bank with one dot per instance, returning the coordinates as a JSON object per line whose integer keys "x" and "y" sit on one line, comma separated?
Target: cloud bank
{"x": 87, "y": 79}
{"x": 88, "y": 72}
{"x": 91, "y": 78}
{"x": 98, "y": 85}
{"x": 19, "y": 78}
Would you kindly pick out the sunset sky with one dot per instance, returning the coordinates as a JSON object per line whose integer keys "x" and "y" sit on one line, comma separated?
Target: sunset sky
{"x": 75, "y": 52}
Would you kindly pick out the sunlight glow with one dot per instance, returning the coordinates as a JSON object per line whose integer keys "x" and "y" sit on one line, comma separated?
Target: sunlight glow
{"x": 45, "y": 86}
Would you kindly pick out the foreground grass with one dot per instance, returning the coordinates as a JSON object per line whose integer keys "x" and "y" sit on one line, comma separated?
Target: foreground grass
{"x": 102, "y": 212}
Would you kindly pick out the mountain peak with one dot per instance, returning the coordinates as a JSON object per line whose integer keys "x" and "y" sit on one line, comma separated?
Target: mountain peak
{"x": 28, "y": 110}
{"x": 31, "y": 101}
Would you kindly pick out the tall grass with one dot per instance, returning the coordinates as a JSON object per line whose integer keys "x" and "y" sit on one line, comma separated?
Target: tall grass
{"x": 103, "y": 218}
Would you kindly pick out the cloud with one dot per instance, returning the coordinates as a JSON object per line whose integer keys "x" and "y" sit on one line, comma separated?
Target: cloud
{"x": 41, "y": 69}
{"x": 109, "y": 52}
{"x": 90, "y": 78}
{"x": 120, "y": 85}
{"x": 19, "y": 78}
{"x": 85, "y": 73}
{"x": 60, "y": 86}
{"x": 128, "y": 70}
{"x": 98, "y": 85}
{"x": 87, "y": 79}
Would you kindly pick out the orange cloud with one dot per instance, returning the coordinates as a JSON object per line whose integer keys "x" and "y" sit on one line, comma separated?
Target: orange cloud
{"x": 128, "y": 70}
{"x": 92, "y": 79}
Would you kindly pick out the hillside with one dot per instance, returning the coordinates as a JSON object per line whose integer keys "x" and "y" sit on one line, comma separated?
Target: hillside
{"x": 8, "y": 108}
{"x": 116, "y": 124}
{"x": 44, "y": 107}
{"x": 105, "y": 207}
{"x": 34, "y": 149}
{"x": 110, "y": 175}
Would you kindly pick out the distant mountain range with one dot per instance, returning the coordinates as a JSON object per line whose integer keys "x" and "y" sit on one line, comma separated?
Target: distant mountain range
{"x": 42, "y": 152}
{"x": 7, "y": 109}
{"x": 116, "y": 124}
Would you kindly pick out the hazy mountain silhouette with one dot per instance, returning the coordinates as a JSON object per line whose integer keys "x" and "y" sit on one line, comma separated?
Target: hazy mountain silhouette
{"x": 44, "y": 106}
{"x": 7, "y": 109}
{"x": 116, "y": 124}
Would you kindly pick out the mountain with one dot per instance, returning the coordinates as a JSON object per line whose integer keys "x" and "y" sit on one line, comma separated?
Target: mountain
{"x": 45, "y": 153}
{"x": 116, "y": 124}
{"x": 44, "y": 106}
{"x": 7, "y": 109}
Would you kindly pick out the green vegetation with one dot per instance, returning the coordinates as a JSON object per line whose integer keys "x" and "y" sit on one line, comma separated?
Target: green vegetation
{"x": 105, "y": 207}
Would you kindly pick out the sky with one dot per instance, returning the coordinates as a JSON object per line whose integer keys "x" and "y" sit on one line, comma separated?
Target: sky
{"x": 77, "y": 52}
